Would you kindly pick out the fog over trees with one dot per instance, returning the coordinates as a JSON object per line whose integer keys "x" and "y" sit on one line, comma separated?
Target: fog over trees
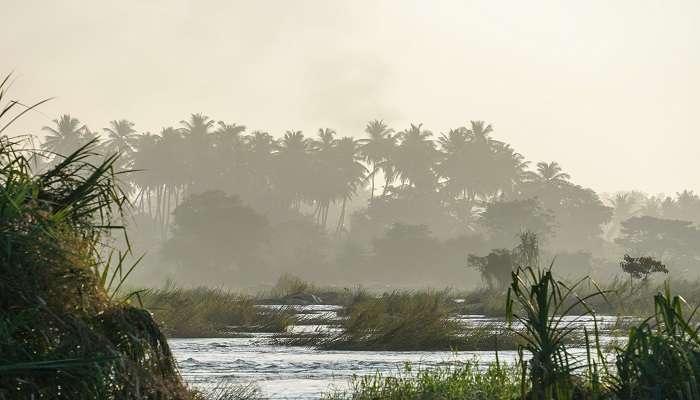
{"x": 217, "y": 203}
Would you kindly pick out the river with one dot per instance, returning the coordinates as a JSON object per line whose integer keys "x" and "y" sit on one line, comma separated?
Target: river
{"x": 292, "y": 372}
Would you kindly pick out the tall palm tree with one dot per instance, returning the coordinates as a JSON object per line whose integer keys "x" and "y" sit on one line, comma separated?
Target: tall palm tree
{"x": 350, "y": 173}
{"x": 415, "y": 157}
{"x": 232, "y": 132}
{"x": 121, "y": 138}
{"x": 198, "y": 125}
{"x": 480, "y": 131}
{"x": 551, "y": 173}
{"x": 455, "y": 164}
{"x": 197, "y": 150}
{"x": 377, "y": 150}
{"x": 323, "y": 158}
{"x": 624, "y": 205}
{"x": 66, "y": 136}
{"x": 260, "y": 148}
{"x": 294, "y": 167}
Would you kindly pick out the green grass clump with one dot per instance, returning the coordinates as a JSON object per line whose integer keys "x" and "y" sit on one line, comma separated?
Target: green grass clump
{"x": 662, "y": 356}
{"x": 63, "y": 334}
{"x": 404, "y": 321}
{"x": 206, "y": 312}
{"x": 460, "y": 381}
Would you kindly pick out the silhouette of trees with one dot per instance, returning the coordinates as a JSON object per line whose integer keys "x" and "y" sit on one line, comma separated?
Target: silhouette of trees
{"x": 673, "y": 241}
{"x": 377, "y": 151}
{"x": 505, "y": 221}
{"x": 394, "y": 261}
{"x": 551, "y": 173}
{"x": 121, "y": 139}
{"x": 414, "y": 158}
{"x": 641, "y": 267}
{"x": 462, "y": 182}
{"x": 216, "y": 234}
{"x": 67, "y": 135}
{"x": 495, "y": 268}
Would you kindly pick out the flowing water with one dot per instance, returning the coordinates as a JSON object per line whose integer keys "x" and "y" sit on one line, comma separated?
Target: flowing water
{"x": 286, "y": 372}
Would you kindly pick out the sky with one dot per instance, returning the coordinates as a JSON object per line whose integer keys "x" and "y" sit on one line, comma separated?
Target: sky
{"x": 609, "y": 89}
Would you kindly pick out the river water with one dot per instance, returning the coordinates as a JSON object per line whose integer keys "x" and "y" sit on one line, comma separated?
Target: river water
{"x": 292, "y": 372}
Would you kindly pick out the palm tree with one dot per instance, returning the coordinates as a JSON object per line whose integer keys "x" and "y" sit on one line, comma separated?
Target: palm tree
{"x": 196, "y": 150}
{"x": 323, "y": 158}
{"x": 456, "y": 163}
{"x": 121, "y": 137}
{"x": 350, "y": 173}
{"x": 260, "y": 148}
{"x": 232, "y": 132}
{"x": 66, "y": 136}
{"x": 624, "y": 205}
{"x": 377, "y": 150}
{"x": 479, "y": 131}
{"x": 294, "y": 167}
{"x": 551, "y": 173}
{"x": 198, "y": 125}
{"x": 414, "y": 158}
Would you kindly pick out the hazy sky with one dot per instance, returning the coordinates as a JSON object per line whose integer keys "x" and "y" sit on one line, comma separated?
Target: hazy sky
{"x": 610, "y": 89}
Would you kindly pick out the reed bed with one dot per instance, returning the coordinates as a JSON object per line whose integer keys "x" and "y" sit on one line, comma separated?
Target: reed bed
{"x": 207, "y": 312}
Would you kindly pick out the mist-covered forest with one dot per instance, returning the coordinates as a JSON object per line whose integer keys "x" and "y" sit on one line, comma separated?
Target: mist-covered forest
{"x": 216, "y": 203}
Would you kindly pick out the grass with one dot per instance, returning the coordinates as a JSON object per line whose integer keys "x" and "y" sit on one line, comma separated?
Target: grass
{"x": 206, "y": 312}
{"x": 63, "y": 335}
{"x": 405, "y": 321}
{"x": 460, "y": 381}
{"x": 662, "y": 356}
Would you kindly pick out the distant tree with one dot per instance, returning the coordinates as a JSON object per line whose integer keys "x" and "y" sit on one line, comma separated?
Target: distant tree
{"x": 350, "y": 174}
{"x": 641, "y": 267}
{"x": 579, "y": 212}
{"x": 672, "y": 241}
{"x": 294, "y": 169}
{"x": 377, "y": 150}
{"x": 414, "y": 158}
{"x": 506, "y": 220}
{"x": 551, "y": 173}
{"x": 67, "y": 135}
{"x": 405, "y": 253}
{"x": 495, "y": 268}
{"x": 121, "y": 139}
{"x": 474, "y": 165}
{"x": 215, "y": 233}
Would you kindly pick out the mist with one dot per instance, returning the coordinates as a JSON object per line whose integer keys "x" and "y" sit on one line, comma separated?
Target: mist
{"x": 558, "y": 80}
{"x": 348, "y": 200}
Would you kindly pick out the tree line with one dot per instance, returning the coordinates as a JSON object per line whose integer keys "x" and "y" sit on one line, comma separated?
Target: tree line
{"x": 460, "y": 183}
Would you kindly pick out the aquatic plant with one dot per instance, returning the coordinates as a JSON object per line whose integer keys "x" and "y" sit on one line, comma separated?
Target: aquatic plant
{"x": 540, "y": 302}
{"x": 662, "y": 356}
{"x": 208, "y": 312}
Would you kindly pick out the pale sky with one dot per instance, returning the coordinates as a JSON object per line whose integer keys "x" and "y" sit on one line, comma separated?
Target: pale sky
{"x": 609, "y": 89}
